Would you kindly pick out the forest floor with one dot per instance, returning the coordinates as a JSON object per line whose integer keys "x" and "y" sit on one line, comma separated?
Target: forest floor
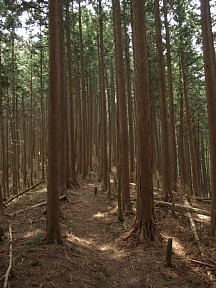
{"x": 91, "y": 255}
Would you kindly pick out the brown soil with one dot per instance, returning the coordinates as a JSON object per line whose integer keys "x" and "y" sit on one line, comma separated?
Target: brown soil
{"x": 91, "y": 256}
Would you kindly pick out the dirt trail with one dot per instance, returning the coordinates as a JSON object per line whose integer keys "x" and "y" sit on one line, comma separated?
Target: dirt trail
{"x": 90, "y": 256}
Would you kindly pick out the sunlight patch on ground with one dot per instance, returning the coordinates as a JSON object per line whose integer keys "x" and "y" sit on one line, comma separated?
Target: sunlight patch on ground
{"x": 82, "y": 241}
{"x": 31, "y": 234}
{"x": 100, "y": 215}
{"x": 90, "y": 243}
{"x": 113, "y": 252}
{"x": 105, "y": 214}
{"x": 203, "y": 218}
{"x": 177, "y": 246}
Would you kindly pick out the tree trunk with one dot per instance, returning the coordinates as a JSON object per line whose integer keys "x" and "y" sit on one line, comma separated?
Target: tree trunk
{"x": 181, "y": 148}
{"x": 14, "y": 121}
{"x": 103, "y": 101}
{"x": 195, "y": 178}
{"x": 71, "y": 142}
{"x": 210, "y": 78}
{"x": 31, "y": 133}
{"x": 123, "y": 123}
{"x": 144, "y": 224}
{"x": 173, "y": 153}
{"x": 24, "y": 160}
{"x": 2, "y": 147}
{"x": 42, "y": 117}
{"x": 53, "y": 233}
{"x": 129, "y": 96}
{"x": 63, "y": 110}
{"x": 83, "y": 93}
{"x": 167, "y": 188}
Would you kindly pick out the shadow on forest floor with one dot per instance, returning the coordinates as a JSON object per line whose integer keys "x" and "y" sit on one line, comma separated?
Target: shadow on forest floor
{"x": 90, "y": 256}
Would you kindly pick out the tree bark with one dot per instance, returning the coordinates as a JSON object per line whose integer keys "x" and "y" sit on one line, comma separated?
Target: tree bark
{"x": 2, "y": 147}
{"x": 123, "y": 123}
{"x": 210, "y": 78}
{"x": 167, "y": 188}
{"x": 53, "y": 233}
{"x": 103, "y": 101}
{"x": 173, "y": 153}
{"x": 144, "y": 224}
{"x": 83, "y": 98}
{"x": 71, "y": 139}
{"x": 129, "y": 96}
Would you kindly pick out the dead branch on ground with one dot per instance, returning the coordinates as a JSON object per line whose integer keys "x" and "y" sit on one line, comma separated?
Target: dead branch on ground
{"x": 187, "y": 208}
{"x": 193, "y": 229}
{"x": 203, "y": 263}
{"x": 35, "y": 206}
{"x": 6, "y": 276}
{"x": 22, "y": 192}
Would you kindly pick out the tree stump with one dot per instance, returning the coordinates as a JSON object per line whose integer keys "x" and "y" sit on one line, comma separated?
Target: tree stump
{"x": 169, "y": 253}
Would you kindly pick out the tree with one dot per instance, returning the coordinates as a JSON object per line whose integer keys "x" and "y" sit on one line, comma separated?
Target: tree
{"x": 173, "y": 153}
{"x": 121, "y": 98}
{"x": 185, "y": 54}
{"x": 83, "y": 99}
{"x": 1, "y": 123}
{"x": 103, "y": 100}
{"x": 53, "y": 233}
{"x": 210, "y": 78}
{"x": 62, "y": 91}
{"x": 144, "y": 224}
{"x": 129, "y": 90}
{"x": 71, "y": 179}
{"x": 167, "y": 189}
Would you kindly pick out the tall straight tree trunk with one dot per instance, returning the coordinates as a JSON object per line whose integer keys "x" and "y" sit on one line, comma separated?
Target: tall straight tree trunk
{"x": 181, "y": 147}
{"x": 7, "y": 165}
{"x": 184, "y": 79}
{"x": 3, "y": 144}
{"x": 195, "y": 178}
{"x": 31, "y": 133}
{"x": 109, "y": 124}
{"x": 90, "y": 113}
{"x": 144, "y": 224}
{"x": 78, "y": 133}
{"x": 129, "y": 96}
{"x": 210, "y": 78}
{"x": 71, "y": 142}
{"x": 42, "y": 117}
{"x": 167, "y": 188}
{"x": 103, "y": 101}
{"x": 2, "y": 138}
{"x": 53, "y": 233}
{"x": 173, "y": 152}
{"x": 119, "y": 164}
{"x": 63, "y": 110}
{"x": 84, "y": 110}
{"x": 121, "y": 94}
{"x": 24, "y": 160}
{"x": 14, "y": 121}
{"x": 204, "y": 168}
{"x": 113, "y": 117}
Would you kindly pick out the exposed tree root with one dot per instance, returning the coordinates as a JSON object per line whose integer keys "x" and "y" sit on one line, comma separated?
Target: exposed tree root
{"x": 142, "y": 232}
{"x": 52, "y": 239}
